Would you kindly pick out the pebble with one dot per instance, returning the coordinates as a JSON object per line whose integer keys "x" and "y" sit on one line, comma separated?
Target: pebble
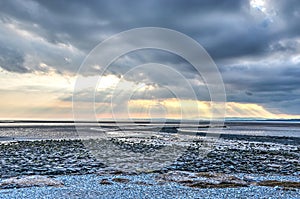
{"x": 29, "y": 181}
{"x": 53, "y": 157}
{"x": 58, "y": 157}
{"x": 88, "y": 186}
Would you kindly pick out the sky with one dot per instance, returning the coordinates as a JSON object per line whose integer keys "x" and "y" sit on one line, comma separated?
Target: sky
{"x": 254, "y": 43}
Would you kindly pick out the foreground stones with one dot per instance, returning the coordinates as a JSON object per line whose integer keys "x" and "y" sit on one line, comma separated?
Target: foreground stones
{"x": 282, "y": 184}
{"x": 220, "y": 180}
{"x": 202, "y": 180}
{"x": 242, "y": 154}
{"x": 29, "y": 181}
{"x": 242, "y": 157}
{"x": 51, "y": 157}
{"x": 60, "y": 157}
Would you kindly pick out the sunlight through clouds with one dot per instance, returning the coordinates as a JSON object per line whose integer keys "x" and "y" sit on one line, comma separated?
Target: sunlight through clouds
{"x": 255, "y": 44}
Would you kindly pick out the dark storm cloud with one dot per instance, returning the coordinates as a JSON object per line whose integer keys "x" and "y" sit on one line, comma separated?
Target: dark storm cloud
{"x": 290, "y": 13}
{"x": 272, "y": 86}
{"x": 12, "y": 60}
{"x": 85, "y": 24}
{"x": 60, "y": 33}
{"x": 226, "y": 29}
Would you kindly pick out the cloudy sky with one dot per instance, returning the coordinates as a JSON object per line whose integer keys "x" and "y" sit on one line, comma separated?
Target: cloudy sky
{"x": 254, "y": 43}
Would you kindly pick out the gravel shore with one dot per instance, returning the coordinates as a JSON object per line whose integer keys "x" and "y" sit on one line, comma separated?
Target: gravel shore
{"x": 142, "y": 186}
{"x": 233, "y": 168}
{"x": 58, "y": 157}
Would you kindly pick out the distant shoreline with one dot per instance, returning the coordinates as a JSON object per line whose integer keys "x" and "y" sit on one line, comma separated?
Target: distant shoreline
{"x": 156, "y": 120}
{"x": 280, "y": 122}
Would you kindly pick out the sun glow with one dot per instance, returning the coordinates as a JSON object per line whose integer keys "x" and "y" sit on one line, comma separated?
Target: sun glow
{"x": 190, "y": 109}
{"x": 263, "y": 8}
{"x": 258, "y": 4}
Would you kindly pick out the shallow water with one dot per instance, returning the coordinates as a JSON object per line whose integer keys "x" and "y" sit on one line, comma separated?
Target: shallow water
{"x": 61, "y": 130}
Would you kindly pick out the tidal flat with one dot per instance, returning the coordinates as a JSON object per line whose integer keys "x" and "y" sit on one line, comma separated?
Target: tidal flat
{"x": 155, "y": 165}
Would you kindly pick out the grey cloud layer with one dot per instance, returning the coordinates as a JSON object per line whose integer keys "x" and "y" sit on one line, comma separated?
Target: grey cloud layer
{"x": 255, "y": 51}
